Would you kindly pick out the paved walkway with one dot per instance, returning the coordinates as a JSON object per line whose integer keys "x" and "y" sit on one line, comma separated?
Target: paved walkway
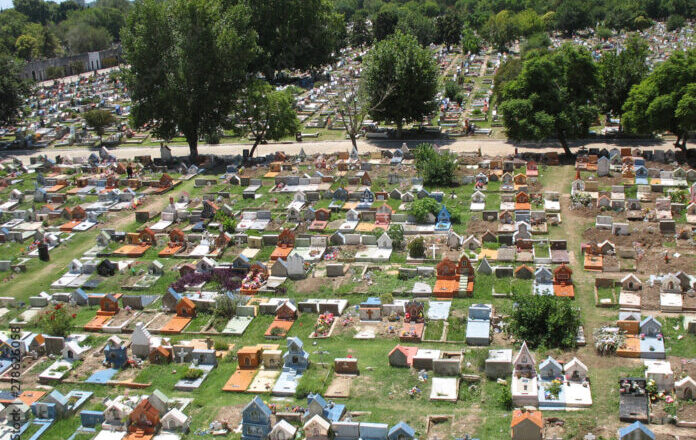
{"x": 490, "y": 147}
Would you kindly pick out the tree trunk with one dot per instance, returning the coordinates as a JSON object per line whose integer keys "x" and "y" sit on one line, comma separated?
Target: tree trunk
{"x": 677, "y": 143}
{"x": 257, "y": 140}
{"x": 564, "y": 144}
{"x": 193, "y": 149}
{"x": 399, "y": 130}
{"x": 354, "y": 140}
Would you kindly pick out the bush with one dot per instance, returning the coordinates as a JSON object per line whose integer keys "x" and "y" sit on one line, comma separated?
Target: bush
{"x": 225, "y": 307}
{"x": 396, "y": 233}
{"x": 505, "y": 398}
{"x": 452, "y": 90}
{"x": 416, "y": 248}
{"x": 56, "y": 321}
{"x": 221, "y": 346}
{"x": 386, "y": 298}
{"x": 422, "y": 207}
{"x": 437, "y": 168}
{"x": 193, "y": 374}
{"x": 53, "y": 72}
{"x": 675, "y": 22}
{"x": 545, "y": 320}
{"x": 277, "y": 332}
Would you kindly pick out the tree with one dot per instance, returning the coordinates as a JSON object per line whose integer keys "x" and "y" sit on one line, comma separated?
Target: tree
{"x": 528, "y": 22}
{"x": 385, "y": 23}
{"x": 266, "y": 113}
{"x": 552, "y": 96}
{"x": 421, "y": 208}
{"x": 437, "y": 168}
{"x": 99, "y": 120}
{"x": 83, "y": 37}
{"x": 396, "y": 233}
{"x": 544, "y": 320}
{"x": 27, "y": 47}
{"x": 618, "y": 72}
{"x": 12, "y": 25}
{"x": 572, "y": 15}
{"x": 359, "y": 32}
{"x": 665, "y": 100}
{"x": 420, "y": 26}
{"x": 449, "y": 29}
{"x": 56, "y": 321}
{"x": 351, "y": 108}
{"x": 36, "y": 11}
{"x": 203, "y": 52}
{"x": 500, "y": 30}
{"x": 12, "y": 89}
{"x": 406, "y": 73}
{"x": 675, "y": 22}
{"x": 295, "y": 34}
{"x": 471, "y": 43}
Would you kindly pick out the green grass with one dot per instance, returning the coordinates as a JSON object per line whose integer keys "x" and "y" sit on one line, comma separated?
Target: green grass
{"x": 457, "y": 329}
{"x": 433, "y": 330}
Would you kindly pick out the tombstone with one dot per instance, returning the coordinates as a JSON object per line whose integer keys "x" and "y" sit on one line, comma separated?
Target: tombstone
{"x": 335, "y": 270}
{"x": 43, "y": 252}
{"x": 668, "y": 227}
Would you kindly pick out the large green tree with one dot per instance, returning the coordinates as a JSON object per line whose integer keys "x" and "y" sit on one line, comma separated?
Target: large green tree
{"x": 265, "y": 113}
{"x": 99, "y": 119}
{"x": 449, "y": 29}
{"x": 384, "y": 23}
{"x": 665, "y": 100}
{"x": 188, "y": 59}
{"x": 618, "y": 72}
{"x": 400, "y": 80}
{"x": 12, "y": 89}
{"x": 501, "y": 30}
{"x": 296, "y": 34}
{"x": 551, "y": 97}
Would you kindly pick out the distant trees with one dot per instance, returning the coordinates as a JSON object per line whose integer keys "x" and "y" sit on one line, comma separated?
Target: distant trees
{"x": 500, "y": 30}
{"x": 406, "y": 73}
{"x": 295, "y": 34}
{"x": 12, "y": 89}
{"x": 665, "y": 100}
{"x": 266, "y": 113}
{"x": 553, "y": 96}
{"x": 99, "y": 119}
{"x": 449, "y": 29}
{"x": 188, "y": 59}
{"x": 618, "y": 72}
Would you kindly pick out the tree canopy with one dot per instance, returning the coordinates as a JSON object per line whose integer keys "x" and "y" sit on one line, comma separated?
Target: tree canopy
{"x": 99, "y": 119}
{"x": 203, "y": 51}
{"x": 436, "y": 167}
{"x": 544, "y": 320}
{"x": 12, "y": 89}
{"x": 665, "y": 100}
{"x": 406, "y": 73}
{"x": 553, "y": 96}
{"x": 266, "y": 113}
{"x": 619, "y": 72}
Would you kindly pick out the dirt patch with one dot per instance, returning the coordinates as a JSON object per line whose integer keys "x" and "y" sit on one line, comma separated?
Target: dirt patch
{"x": 231, "y": 415}
{"x": 339, "y": 387}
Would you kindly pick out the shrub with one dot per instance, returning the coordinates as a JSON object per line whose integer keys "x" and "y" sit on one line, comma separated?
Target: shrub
{"x": 193, "y": 374}
{"x": 277, "y": 331}
{"x": 386, "y": 298}
{"x": 396, "y": 233}
{"x": 225, "y": 307}
{"x": 221, "y": 346}
{"x": 545, "y": 320}
{"x": 56, "y": 321}
{"x": 416, "y": 248}
{"x": 422, "y": 207}
{"x": 505, "y": 398}
{"x": 437, "y": 168}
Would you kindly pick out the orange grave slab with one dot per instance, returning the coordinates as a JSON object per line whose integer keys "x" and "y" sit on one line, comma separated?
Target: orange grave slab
{"x": 281, "y": 253}
{"x": 175, "y": 325}
{"x": 285, "y": 325}
{"x": 239, "y": 381}
{"x": 523, "y": 206}
{"x": 318, "y": 225}
{"x": 412, "y": 332}
{"x": 631, "y": 347}
{"x": 67, "y": 227}
{"x": 138, "y": 435}
{"x": 170, "y": 250}
{"x": 593, "y": 262}
{"x": 132, "y": 250}
{"x": 564, "y": 290}
{"x": 55, "y": 188}
{"x": 446, "y": 288}
{"x": 99, "y": 321}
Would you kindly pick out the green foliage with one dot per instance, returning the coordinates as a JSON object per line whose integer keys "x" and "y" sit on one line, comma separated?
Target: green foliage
{"x": 675, "y": 22}
{"x": 544, "y": 320}
{"x": 500, "y": 30}
{"x": 436, "y": 168}
{"x": 386, "y": 298}
{"x": 266, "y": 113}
{"x": 225, "y": 307}
{"x": 193, "y": 374}
{"x": 12, "y": 89}
{"x": 399, "y": 80}
{"x": 99, "y": 120}
{"x": 221, "y": 346}
{"x": 416, "y": 248}
{"x": 203, "y": 49}
{"x": 449, "y": 29}
{"x": 573, "y": 15}
{"x": 619, "y": 72}
{"x": 504, "y": 398}
{"x": 420, "y": 208}
{"x": 295, "y": 34}
{"x": 534, "y": 111}
{"x": 396, "y": 233}
{"x": 421, "y": 27}
{"x": 471, "y": 43}
{"x": 508, "y": 71}
{"x": 56, "y": 321}
{"x": 665, "y": 100}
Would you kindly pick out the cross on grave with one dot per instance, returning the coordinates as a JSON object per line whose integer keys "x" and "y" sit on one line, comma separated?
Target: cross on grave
{"x": 434, "y": 249}
{"x": 182, "y": 355}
